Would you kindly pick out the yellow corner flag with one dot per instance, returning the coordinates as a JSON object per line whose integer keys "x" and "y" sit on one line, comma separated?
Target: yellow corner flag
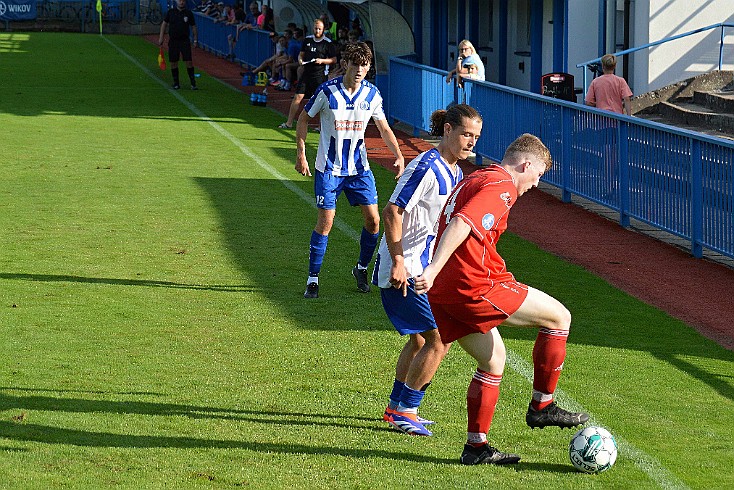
{"x": 99, "y": 11}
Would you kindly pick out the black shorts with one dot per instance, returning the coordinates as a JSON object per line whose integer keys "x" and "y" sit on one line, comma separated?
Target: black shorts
{"x": 308, "y": 85}
{"x": 179, "y": 48}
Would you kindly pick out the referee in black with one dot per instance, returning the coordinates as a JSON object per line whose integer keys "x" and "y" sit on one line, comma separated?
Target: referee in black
{"x": 180, "y": 19}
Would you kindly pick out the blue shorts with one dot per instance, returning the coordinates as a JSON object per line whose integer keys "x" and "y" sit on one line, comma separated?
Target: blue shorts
{"x": 359, "y": 189}
{"x": 409, "y": 315}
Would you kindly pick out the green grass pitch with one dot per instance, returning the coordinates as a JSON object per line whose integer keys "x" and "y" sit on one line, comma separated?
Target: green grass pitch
{"x": 153, "y": 334}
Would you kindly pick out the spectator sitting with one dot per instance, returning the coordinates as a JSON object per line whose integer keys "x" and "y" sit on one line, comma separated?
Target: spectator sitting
{"x": 276, "y": 63}
{"x": 293, "y": 69}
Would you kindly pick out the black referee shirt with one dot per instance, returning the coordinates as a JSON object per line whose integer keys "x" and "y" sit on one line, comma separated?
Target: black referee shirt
{"x": 179, "y": 22}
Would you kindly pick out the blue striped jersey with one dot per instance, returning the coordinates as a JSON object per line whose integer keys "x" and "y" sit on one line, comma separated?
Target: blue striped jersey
{"x": 421, "y": 191}
{"x": 343, "y": 122}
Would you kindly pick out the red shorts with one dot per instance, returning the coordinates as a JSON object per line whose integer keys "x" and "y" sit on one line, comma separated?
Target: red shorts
{"x": 481, "y": 314}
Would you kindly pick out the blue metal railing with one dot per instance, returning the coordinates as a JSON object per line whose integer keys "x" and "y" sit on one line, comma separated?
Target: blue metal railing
{"x": 720, "y": 25}
{"x": 675, "y": 180}
{"x": 252, "y": 48}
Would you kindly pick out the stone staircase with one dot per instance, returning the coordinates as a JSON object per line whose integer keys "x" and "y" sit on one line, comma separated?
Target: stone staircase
{"x": 704, "y": 104}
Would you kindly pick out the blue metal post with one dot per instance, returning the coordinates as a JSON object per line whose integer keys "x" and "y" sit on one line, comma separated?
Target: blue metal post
{"x": 696, "y": 199}
{"x": 721, "y": 48}
{"x": 566, "y": 163}
{"x": 536, "y": 44}
{"x": 502, "y": 43}
{"x": 473, "y": 31}
{"x": 623, "y": 163}
{"x": 418, "y": 28}
{"x": 565, "y": 36}
{"x": 461, "y": 24}
{"x": 559, "y": 26}
{"x": 601, "y": 38}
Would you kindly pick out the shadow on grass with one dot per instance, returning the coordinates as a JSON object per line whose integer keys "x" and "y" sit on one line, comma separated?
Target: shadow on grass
{"x": 25, "y": 431}
{"x": 125, "y": 282}
{"x": 266, "y": 229}
{"x": 54, "y": 435}
{"x": 9, "y": 401}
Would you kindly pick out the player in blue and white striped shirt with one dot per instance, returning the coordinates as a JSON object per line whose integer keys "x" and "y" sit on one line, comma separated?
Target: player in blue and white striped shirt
{"x": 411, "y": 225}
{"x": 345, "y": 105}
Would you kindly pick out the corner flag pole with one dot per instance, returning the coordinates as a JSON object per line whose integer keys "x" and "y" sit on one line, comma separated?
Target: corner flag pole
{"x": 99, "y": 11}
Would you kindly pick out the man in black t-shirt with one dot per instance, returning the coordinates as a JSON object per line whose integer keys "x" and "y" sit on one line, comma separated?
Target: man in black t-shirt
{"x": 317, "y": 54}
{"x": 180, "y": 20}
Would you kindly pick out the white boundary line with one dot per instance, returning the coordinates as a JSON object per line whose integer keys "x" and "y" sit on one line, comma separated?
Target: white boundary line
{"x": 652, "y": 467}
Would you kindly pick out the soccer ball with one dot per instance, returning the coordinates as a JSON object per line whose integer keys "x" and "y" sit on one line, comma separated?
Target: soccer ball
{"x": 593, "y": 450}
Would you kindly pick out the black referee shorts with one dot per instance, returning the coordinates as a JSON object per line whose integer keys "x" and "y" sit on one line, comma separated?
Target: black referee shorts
{"x": 179, "y": 48}
{"x": 307, "y": 85}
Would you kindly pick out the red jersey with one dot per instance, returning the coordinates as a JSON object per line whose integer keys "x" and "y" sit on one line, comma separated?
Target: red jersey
{"x": 483, "y": 200}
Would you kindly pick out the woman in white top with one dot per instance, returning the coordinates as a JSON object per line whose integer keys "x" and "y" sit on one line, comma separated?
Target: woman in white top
{"x": 466, "y": 48}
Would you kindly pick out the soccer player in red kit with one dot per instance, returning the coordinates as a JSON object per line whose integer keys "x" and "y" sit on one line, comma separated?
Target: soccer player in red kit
{"x": 471, "y": 292}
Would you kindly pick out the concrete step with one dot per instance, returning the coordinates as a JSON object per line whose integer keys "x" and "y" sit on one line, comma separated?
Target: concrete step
{"x": 692, "y": 114}
{"x": 719, "y": 101}
{"x": 649, "y": 116}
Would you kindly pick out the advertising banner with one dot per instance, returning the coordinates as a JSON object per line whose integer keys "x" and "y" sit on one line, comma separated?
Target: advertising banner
{"x": 11, "y": 10}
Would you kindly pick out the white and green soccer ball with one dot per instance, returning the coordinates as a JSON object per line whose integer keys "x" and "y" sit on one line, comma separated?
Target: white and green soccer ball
{"x": 593, "y": 450}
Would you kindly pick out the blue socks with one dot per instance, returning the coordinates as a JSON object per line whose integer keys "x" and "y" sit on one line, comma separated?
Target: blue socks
{"x": 397, "y": 388}
{"x": 404, "y": 398}
{"x": 317, "y": 250}
{"x": 410, "y": 399}
{"x": 367, "y": 246}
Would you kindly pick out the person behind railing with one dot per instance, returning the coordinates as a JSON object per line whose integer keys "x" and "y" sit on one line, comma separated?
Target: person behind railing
{"x": 466, "y": 49}
{"x": 237, "y": 18}
{"x": 266, "y": 21}
{"x": 180, "y": 20}
{"x": 250, "y": 19}
{"x": 204, "y": 7}
{"x": 226, "y": 16}
{"x": 253, "y": 14}
{"x": 609, "y": 91}
{"x": 471, "y": 66}
{"x": 217, "y": 12}
{"x": 244, "y": 21}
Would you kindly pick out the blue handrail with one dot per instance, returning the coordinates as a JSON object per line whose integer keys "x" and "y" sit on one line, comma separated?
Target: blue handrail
{"x": 721, "y": 25}
{"x": 675, "y": 180}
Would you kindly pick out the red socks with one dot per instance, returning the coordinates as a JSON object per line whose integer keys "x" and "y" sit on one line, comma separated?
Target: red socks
{"x": 481, "y": 399}
{"x": 549, "y": 353}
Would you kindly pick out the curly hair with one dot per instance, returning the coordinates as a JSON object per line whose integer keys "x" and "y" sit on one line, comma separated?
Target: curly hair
{"x": 358, "y": 53}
